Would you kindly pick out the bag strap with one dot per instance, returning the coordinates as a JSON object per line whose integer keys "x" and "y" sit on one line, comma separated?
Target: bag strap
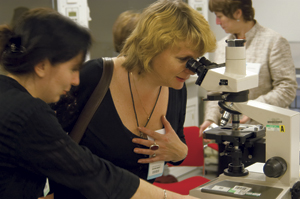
{"x": 94, "y": 101}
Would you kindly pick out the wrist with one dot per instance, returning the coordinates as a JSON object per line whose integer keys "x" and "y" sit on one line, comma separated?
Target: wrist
{"x": 182, "y": 155}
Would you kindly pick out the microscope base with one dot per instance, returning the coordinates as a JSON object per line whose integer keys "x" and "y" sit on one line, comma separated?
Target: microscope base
{"x": 224, "y": 187}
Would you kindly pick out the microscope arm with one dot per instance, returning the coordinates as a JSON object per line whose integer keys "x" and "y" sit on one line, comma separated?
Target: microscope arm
{"x": 282, "y": 133}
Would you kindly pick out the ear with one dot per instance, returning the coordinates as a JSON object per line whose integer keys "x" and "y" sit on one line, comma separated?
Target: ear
{"x": 238, "y": 14}
{"x": 41, "y": 68}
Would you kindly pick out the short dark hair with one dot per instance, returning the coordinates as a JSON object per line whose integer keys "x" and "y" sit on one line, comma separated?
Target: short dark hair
{"x": 39, "y": 34}
{"x": 229, "y": 7}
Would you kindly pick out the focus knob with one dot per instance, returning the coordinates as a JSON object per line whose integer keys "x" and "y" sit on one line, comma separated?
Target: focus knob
{"x": 275, "y": 167}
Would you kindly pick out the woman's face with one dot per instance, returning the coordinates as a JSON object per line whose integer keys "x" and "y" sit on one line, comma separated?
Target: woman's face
{"x": 59, "y": 79}
{"x": 169, "y": 66}
{"x": 229, "y": 25}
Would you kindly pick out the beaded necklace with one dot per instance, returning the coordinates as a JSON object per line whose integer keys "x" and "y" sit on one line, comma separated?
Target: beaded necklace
{"x": 148, "y": 119}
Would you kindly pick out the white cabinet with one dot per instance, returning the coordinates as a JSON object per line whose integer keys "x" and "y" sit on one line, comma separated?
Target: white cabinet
{"x": 192, "y": 107}
{"x": 192, "y": 113}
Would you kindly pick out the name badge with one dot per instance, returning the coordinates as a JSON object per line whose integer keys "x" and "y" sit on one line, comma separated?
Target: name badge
{"x": 156, "y": 169}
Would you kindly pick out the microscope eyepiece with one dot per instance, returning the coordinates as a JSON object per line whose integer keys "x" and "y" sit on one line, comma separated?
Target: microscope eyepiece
{"x": 201, "y": 67}
{"x": 198, "y": 68}
{"x": 192, "y": 65}
{"x": 235, "y": 42}
{"x": 205, "y": 62}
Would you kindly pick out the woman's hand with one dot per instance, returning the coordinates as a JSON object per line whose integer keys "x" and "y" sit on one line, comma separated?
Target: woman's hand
{"x": 244, "y": 119}
{"x": 171, "y": 148}
{"x": 203, "y": 126}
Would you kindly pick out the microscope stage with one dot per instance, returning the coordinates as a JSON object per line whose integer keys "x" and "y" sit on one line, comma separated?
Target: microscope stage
{"x": 242, "y": 190}
{"x": 253, "y": 186}
{"x": 226, "y": 133}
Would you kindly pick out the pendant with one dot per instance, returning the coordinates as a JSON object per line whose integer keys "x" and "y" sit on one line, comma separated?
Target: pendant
{"x": 142, "y": 135}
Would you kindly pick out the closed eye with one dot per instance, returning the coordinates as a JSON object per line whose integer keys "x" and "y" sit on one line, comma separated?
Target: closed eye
{"x": 77, "y": 67}
{"x": 183, "y": 59}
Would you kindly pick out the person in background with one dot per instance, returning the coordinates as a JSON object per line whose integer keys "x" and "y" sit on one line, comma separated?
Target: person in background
{"x": 147, "y": 91}
{"x": 277, "y": 79}
{"x": 123, "y": 27}
{"x": 42, "y": 62}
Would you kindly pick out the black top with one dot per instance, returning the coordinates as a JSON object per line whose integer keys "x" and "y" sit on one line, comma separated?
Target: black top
{"x": 33, "y": 146}
{"x": 106, "y": 135}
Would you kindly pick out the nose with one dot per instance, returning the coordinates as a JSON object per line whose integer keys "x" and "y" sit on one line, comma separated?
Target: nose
{"x": 75, "y": 79}
{"x": 218, "y": 21}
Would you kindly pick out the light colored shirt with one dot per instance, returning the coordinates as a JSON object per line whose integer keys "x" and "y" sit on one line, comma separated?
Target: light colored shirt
{"x": 277, "y": 78}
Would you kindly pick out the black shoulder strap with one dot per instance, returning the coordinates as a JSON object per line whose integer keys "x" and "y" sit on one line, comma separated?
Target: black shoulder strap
{"x": 94, "y": 101}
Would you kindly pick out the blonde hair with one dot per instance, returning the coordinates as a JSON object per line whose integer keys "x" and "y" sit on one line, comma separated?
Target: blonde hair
{"x": 164, "y": 24}
{"x": 123, "y": 27}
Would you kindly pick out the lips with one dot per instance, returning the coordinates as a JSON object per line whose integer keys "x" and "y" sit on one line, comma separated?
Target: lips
{"x": 181, "y": 79}
{"x": 65, "y": 92}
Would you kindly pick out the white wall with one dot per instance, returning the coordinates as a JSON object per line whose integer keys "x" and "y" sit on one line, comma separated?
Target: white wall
{"x": 283, "y": 16}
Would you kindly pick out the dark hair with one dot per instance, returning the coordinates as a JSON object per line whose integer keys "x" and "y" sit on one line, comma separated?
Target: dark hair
{"x": 39, "y": 34}
{"x": 229, "y": 7}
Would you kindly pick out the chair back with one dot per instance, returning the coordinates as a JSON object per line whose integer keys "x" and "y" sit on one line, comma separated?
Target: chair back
{"x": 195, "y": 156}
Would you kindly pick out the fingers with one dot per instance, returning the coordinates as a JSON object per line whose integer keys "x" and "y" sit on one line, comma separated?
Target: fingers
{"x": 144, "y": 151}
{"x": 170, "y": 146}
{"x": 155, "y": 135}
{"x": 244, "y": 119}
{"x": 206, "y": 140}
{"x": 149, "y": 132}
{"x": 203, "y": 126}
{"x": 201, "y": 131}
{"x": 154, "y": 155}
{"x": 166, "y": 123}
{"x": 141, "y": 141}
{"x": 153, "y": 151}
{"x": 149, "y": 160}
